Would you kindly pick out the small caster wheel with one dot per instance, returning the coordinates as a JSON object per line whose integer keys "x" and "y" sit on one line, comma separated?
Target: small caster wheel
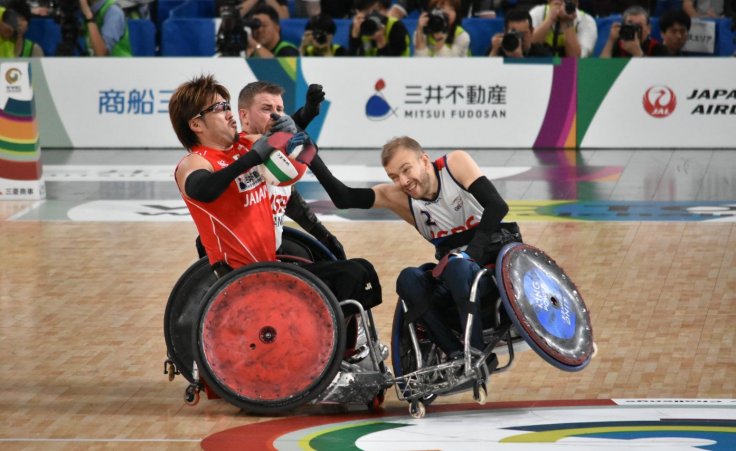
{"x": 171, "y": 371}
{"x": 191, "y": 395}
{"x": 417, "y": 409}
{"x": 375, "y": 404}
{"x": 480, "y": 393}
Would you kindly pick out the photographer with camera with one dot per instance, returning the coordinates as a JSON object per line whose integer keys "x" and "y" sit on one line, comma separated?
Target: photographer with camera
{"x": 632, "y": 37}
{"x": 264, "y": 40}
{"x": 105, "y": 28}
{"x": 516, "y": 40}
{"x": 372, "y": 33}
{"x": 318, "y": 36}
{"x": 564, "y": 28}
{"x": 15, "y": 19}
{"x": 439, "y": 33}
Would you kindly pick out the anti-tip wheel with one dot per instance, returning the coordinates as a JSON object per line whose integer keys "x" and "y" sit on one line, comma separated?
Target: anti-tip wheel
{"x": 480, "y": 393}
{"x": 191, "y": 395}
{"x": 417, "y": 409}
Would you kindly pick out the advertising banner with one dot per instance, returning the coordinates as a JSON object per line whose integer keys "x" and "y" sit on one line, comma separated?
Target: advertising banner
{"x": 20, "y": 154}
{"x": 442, "y": 102}
{"x": 657, "y": 103}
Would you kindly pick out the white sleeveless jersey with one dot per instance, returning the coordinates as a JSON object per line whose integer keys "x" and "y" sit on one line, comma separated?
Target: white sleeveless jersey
{"x": 451, "y": 213}
{"x": 279, "y": 198}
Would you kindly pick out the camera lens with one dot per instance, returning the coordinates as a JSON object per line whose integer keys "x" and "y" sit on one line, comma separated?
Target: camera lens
{"x": 510, "y": 42}
{"x": 320, "y": 37}
{"x": 370, "y": 25}
{"x": 570, "y": 8}
{"x": 438, "y": 22}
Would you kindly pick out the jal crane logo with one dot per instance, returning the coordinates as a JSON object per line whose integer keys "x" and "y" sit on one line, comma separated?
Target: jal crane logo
{"x": 659, "y": 101}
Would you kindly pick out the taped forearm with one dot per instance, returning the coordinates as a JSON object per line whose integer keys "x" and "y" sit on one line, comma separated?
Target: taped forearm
{"x": 341, "y": 195}
{"x": 206, "y": 186}
{"x": 494, "y": 210}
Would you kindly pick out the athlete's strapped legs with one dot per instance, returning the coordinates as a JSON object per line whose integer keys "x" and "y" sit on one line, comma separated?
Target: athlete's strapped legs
{"x": 349, "y": 279}
{"x": 422, "y": 295}
{"x": 458, "y": 278}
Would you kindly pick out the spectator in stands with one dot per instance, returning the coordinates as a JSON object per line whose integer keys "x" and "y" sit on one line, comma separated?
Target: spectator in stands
{"x": 372, "y": 33}
{"x": 265, "y": 40}
{"x": 106, "y": 29}
{"x": 708, "y": 8}
{"x": 516, "y": 40}
{"x": 468, "y": 8}
{"x": 632, "y": 39}
{"x": 337, "y": 9}
{"x": 439, "y": 32}
{"x": 603, "y": 8}
{"x": 280, "y": 6}
{"x": 16, "y": 18}
{"x": 674, "y": 27}
{"x": 563, "y": 27}
{"x": 318, "y": 38}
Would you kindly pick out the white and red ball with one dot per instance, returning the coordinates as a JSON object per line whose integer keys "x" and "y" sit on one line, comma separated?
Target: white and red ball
{"x": 282, "y": 168}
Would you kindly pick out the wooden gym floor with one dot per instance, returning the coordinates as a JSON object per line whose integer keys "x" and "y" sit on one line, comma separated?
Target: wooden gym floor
{"x": 82, "y": 346}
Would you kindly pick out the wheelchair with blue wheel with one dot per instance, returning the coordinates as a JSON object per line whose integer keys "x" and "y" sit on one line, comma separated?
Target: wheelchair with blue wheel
{"x": 270, "y": 337}
{"x": 535, "y": 305}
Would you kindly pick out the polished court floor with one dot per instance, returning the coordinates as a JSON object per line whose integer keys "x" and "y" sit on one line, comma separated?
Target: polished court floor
{"x": 649, "y": 237}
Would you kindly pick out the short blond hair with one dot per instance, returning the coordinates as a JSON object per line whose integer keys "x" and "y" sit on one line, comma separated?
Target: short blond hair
{"x": 393, "y": 146}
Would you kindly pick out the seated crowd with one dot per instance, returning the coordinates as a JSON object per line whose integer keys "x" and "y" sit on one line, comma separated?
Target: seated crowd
{"x": 531, "y": 28}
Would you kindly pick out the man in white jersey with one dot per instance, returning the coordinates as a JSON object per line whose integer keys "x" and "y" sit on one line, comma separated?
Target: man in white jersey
{"x": 452, "y": 205}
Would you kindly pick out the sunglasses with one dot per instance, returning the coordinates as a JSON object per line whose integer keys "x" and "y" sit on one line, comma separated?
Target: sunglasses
{"x": 216, "y": 108}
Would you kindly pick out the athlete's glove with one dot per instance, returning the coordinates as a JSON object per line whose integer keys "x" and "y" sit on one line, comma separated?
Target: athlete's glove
{"x": 283, "y": 123}
{"x": 262, "y": 147}
{"x": 333, "y": 244}
{"x": 315, "y": 96}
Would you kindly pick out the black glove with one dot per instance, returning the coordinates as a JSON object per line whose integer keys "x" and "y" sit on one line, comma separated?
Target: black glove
{"x": 315, "y": 96}
{"x": 283, "y": 123}
{"x": 262, "y": 147}
{"x": 333, "y": 244}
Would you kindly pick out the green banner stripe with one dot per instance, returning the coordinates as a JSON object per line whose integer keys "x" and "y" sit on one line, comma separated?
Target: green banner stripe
{"x": 595, "y": 79}
{"x": 17, "y": 147}
{"x": 344, "y": 439}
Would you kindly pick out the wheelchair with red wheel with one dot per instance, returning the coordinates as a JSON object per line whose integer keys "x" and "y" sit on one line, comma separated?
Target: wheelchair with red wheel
{"x": 536, "y": 306}
{"x": 270, "y": 337}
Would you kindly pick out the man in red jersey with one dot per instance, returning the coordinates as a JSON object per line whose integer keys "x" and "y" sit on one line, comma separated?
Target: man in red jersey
{"x": 228, "y": 198}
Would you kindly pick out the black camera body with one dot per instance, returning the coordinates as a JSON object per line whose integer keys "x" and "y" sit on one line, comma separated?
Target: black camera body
{"x": 438, "y": 22}
{"x": 511, "y": 41}
{"x": 65, "y": 13}
{"x": 371, "y": 24}
{"x": 320, "y": 36}
{"x": 629, "y": 31}
{"x": 232, "y": 36}
{"x": 570, "y": 7}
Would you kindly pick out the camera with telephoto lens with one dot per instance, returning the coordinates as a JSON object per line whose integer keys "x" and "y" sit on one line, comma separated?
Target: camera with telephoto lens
{"x": 320, "y": 36}
{"x": 570, "y": 7}
{"x": 232, "y": 36}
{"x": 371, "y": 24}
{"x": 511, "y": 41}
{"x": 629, "y": 31}
{"x": 438, "y": 22}
{"x": 65, "y": 13}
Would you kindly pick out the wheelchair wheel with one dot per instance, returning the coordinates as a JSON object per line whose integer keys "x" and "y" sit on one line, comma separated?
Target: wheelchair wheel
{"x": 270, "y": 337}
{"x": 182, "y": 314}
{"x": 403, "y": 354}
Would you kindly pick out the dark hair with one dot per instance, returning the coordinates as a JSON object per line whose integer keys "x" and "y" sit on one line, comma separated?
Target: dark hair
{"x": 266, "y": 10}
{"x": 360, "y": 5}
{"x": 251, "y": 90}
{"x": 21, "y": 7}
{"x": 321, "y": 22}
{"x": 188, "y": 100}
{"x": 517, "y": 15}
{"x": 669, "y": 18}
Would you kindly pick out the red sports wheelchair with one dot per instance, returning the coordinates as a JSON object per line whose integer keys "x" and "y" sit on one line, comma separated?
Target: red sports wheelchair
{"x": 271, "y": 337}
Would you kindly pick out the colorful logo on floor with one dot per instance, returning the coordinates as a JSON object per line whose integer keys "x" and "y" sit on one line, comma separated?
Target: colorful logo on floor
{"x": 624, "y": 424}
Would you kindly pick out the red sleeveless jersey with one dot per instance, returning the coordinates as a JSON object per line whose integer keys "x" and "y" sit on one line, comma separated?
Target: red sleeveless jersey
{"x": 237, "y": 227}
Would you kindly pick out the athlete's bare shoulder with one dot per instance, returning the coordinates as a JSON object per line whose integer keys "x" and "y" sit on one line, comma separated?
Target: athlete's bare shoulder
{"x": 463, "y": 167}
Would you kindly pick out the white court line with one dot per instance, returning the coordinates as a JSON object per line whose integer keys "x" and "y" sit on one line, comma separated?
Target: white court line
{"x": 20, "y": 213}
